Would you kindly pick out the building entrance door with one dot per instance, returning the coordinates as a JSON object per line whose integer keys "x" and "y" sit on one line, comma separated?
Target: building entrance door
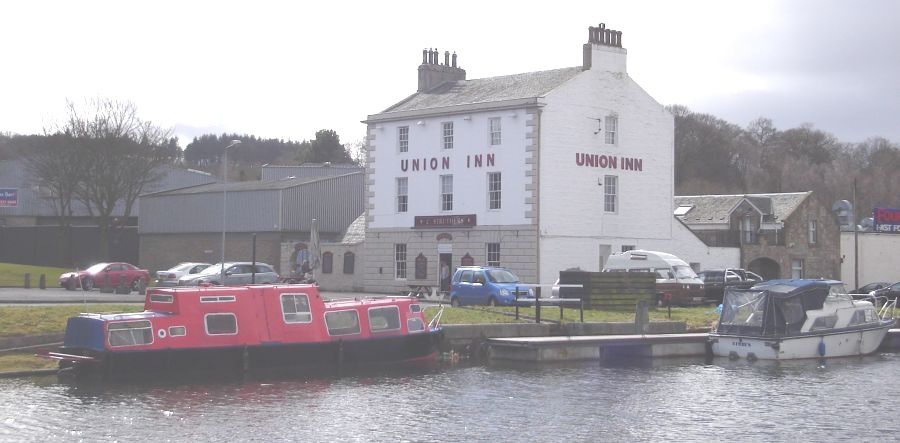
{"x": 446, "y": 271}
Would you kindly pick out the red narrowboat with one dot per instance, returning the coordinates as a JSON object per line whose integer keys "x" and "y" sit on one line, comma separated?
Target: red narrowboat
{"x": 212, "y": 331}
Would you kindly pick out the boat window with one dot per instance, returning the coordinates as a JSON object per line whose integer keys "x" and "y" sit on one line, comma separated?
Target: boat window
{"x": 342, "y": 322}
{"x": 221, "y": 324}
{"x": 863, "y": 316}
{"x": 384, "y": 319}
{"x": 415, "y": 308}
{"x": 415, "y": 324}
{"x": 217, "y": 299}
{"x": 177, "y": 331}
{"x": 826, "y": 322}
{"x": 130, "y": 333}
{"x": 743, "y": 309}
{"x": 295, "y": 308}
{"x": 793, "y": 313}
{"x": 161, "y": 298}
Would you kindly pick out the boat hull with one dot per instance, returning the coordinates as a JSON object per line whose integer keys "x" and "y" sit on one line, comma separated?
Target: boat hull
{"x": 415, "y": 350}
{"x": 832, "y": 344}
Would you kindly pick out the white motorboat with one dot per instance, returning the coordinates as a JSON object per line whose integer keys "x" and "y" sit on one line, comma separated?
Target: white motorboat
{"x": 791, "y": 319}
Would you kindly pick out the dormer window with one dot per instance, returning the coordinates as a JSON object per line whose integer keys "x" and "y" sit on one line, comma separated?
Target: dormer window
{"x": 682, "y": 210}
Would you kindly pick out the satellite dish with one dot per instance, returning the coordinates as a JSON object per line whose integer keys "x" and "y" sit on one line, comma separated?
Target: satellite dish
{"x": 867, "y": 224}
{"x": 842, "y": 208}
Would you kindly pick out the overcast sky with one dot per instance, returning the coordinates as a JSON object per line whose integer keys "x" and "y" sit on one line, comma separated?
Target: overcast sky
{"x": 288, "y": 69}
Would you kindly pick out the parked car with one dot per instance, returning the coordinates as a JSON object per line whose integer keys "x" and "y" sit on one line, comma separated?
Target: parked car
{"x": 170, "y": 276}
{"x": 716, "y": 280}
{"x": 870, "y": 287}
{"x": 891, "y": 292}
{"x": 486, "y": 285}
{"x": 675, "y": 280}
{"x": 236, "y": 273}
{"x": 112, "y": 274}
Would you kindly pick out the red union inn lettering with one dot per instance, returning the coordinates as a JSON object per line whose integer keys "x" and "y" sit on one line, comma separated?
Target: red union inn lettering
{"x": 480, "y": 171}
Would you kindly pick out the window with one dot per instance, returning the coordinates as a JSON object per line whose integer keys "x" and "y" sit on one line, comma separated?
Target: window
{"x": 811, "y": 229}
{"x": 610, "y": 193}
{"x": 349, "y": 262}
{"x": 384, "y": 319}
{"x": 626, "y": 248}
{"x": 402, "y": 194}
{"x": 327, "y": 262}
{"x": 447, "y": 135}
{"x": 177, "y": 331}
{"x": 161, "y": 298}
{"x": 217, "y": 299}
{"x": 495, "y": 130}
{"x": 612, "y": 128}
{"x": 400, "y": 260}
{"x": 342, "y": 322}
{"x": 221, "y": 324}
{"x": 748, "y": 233}
{"x": 446, "y": 193}
{"x": 403, "y": 138}
{"x": 493, "y": 254}
{"x": 130, "y": 333}
{"x": 494, "y": 188}
{"x": 295, "y": 308}
{"x": 797, "y": 268}
{"x": 415, "y": 324}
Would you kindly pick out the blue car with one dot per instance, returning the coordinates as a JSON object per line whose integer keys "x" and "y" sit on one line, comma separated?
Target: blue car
{"x": 486, "y": 285}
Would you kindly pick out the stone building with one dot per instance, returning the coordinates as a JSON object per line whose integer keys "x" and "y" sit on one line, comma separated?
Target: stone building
{"x": 786, "y": 235}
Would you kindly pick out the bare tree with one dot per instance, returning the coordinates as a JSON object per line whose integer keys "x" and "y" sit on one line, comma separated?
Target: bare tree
{"x": 55, "y": 167}
{"x": 119, "y": 154}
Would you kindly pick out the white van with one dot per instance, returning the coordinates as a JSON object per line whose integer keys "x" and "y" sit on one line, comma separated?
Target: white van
{"x": 675, "y": 280}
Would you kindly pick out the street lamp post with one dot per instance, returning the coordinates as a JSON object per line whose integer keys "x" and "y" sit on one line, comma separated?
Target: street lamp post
{"x": 224, "y": 204}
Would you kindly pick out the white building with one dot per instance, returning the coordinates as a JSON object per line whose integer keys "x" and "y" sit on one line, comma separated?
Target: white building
{"x": 538, "y": 172}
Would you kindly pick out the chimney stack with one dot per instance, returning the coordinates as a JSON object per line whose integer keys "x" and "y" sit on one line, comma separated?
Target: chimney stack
{"x": 604, "y": 50}
{"x": 432, "y": 73}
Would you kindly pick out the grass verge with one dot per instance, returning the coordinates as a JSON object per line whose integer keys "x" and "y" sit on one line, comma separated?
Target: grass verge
{"x": 13, "y": 275}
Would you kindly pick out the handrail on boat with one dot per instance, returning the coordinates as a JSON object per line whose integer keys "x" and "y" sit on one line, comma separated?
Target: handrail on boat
{"x": 887, "y": 309}
{"x": 436, "y": 321}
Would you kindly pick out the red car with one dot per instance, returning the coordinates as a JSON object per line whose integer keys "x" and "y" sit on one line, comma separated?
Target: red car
{"x": 113, "y": 274}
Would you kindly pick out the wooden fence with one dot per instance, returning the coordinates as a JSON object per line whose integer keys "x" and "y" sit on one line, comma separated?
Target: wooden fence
{"x": 610, "y": 290}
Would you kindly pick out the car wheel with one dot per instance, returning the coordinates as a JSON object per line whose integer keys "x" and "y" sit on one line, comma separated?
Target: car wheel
{"x": 87, "y": 284}
{"x": 454, "y": 302}
{"x": 492, "y": 302}
{"x": 138, "y": 286}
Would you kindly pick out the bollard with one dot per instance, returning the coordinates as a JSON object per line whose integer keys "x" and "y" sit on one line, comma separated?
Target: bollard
{"x": 641, "y": 318}
{"x": 42, "y": 282}
{"x": 27, "y": 280}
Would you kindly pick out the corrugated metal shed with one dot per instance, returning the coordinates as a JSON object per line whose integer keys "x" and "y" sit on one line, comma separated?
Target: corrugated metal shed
{"x": 256, "y": 206}
{"x": 275, "y": 172}
{"x": 34, "y": 201}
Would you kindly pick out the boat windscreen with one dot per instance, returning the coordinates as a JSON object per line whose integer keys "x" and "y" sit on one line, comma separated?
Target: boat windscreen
{"x": 743, "y": 312}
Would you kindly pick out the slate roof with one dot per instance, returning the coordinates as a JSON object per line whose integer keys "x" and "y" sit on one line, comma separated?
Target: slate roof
{"x": 712, "y": 209}
{"x": 356, "y": 232}
{"x": 252, "y": 185}
{"x": 487, "y": 90}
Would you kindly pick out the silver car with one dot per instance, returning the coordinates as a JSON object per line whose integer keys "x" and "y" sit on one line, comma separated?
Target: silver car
{"x": 170, "y": 276}
{"x": 236, "y": 274}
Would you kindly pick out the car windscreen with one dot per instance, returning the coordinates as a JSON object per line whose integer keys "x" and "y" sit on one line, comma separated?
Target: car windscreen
{"x": 684, "y": 272}
{"x": 213, "y": 270}
{"x": 97, "y": 268}
{"x": 502, "y": 276}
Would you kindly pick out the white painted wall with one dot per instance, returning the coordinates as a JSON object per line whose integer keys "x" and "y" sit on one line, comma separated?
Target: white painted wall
{"x": 471, "y": 139}
{"x": 877, "y": 258}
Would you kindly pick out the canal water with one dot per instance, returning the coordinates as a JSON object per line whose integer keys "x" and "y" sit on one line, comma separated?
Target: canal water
{"x": 644, "y": 400}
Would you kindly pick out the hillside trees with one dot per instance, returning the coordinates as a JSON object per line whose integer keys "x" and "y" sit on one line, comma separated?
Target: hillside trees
{"x": 716, "y": 157}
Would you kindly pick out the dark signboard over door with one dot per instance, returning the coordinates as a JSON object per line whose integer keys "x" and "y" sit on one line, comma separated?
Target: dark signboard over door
{"x": 444, "y": 221}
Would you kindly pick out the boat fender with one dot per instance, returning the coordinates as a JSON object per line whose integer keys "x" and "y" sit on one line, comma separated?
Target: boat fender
{"x": 821, "y": 349}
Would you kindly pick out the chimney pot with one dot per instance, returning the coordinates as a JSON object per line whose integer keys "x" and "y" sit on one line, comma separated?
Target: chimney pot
{"x": 454, "y": 59}
{"x": 446, "y": 58}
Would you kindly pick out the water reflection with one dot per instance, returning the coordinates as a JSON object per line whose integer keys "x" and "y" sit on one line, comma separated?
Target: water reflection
{"x": 639, "y": 399}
